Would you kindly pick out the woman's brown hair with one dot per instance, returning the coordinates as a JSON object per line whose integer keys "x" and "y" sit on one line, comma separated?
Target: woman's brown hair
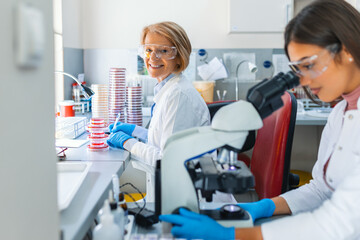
{"x": 324, "y": 23}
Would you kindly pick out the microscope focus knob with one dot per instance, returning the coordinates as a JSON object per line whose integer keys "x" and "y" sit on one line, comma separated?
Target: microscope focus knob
{"x": 177, "y": 210}
{"x": 229, "y": 211}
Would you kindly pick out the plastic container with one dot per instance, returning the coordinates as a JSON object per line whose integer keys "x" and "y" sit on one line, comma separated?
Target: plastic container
{"x": 134, "y": 103}
{"x": 117, "y": 94}
{"x": 96, "y": 129}
{"x": 206, "y": 89}
{"x": 123, "y": 205}
{"x": 97, "y": 135}
{"x": 98, "y": 149}
{"x": 70, "y": 127}
{"x": 117, "y": 212}
{"x": 107, "y": 229}
{"x": 100, "y": 102}
{"x": 100, "y": 122}
{"x": 95, "y": 138}
{"x": 67, "y": 108}
{"x": 82, "y": 92}
{"x": 76, "y": 92}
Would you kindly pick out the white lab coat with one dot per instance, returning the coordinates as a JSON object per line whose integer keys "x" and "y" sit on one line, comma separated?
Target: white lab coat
{"x": 318, "y": 211}
{"x": 178, "y": 106}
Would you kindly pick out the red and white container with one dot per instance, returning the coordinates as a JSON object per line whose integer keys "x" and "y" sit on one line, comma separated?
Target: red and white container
{"x": 97, "y": 137}
{"x": 99, "y": 102}
{"x": 134, "y": 103}
{"x": 67, "y": 108}
{"x": 117, "y": 94}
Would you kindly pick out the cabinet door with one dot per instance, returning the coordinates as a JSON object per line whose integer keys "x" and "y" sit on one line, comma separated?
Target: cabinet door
{"x": 259, "y": 15}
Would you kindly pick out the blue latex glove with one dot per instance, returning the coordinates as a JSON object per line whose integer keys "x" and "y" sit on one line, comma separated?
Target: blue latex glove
{"x": 192, "y": 225}
{"x": 117, "y": 139}
{"x": 123, "y": 127}
{"x": 259, "y": 209}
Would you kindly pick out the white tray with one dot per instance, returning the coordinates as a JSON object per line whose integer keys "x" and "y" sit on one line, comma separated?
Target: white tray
{"x": 70, "y": 176}
{"x": 70, "y": 127}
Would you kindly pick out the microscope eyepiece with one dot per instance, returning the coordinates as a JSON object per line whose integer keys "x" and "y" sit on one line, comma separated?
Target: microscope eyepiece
{"x": 266, "y": 95}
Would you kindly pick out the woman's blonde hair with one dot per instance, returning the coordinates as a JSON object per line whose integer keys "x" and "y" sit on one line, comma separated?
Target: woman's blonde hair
{"x": 176, "y": 35}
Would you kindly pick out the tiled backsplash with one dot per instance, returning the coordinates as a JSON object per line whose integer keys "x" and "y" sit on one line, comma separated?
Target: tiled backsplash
{"x": 96, "y": 63}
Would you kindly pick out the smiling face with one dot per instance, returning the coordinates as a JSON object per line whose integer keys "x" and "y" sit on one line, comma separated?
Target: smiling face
{"x": 335, "y": 79}
{"x": 159, "y": 68}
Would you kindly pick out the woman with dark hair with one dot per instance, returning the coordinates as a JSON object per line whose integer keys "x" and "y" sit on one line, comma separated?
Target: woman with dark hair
{"x": 323, "y": 45}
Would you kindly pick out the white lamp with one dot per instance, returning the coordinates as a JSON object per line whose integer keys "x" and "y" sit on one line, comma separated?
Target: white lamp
{"x": 252, "y": 68}
{"x": 87, "y": 91}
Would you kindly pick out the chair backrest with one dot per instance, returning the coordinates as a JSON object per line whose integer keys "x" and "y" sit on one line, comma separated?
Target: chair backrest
{"x": 215, "y": 106}
{"x": 270, "y": 161}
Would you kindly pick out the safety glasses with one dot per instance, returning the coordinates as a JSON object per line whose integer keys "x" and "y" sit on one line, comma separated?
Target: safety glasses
{"x": 315, "y": 65}
{"x": 159, "y": 51}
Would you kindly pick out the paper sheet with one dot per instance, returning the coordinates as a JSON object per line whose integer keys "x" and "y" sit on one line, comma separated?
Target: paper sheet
{"x": 212, "y": 71}
{"x": 71, "y": 143}
{"x": 281, "y": 63}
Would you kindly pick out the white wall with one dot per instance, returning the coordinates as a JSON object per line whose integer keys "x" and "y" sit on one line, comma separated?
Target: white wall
{"x": 118, "y": 23}
{"x": 72, "y": 23}
{"x": 28, "y": 203}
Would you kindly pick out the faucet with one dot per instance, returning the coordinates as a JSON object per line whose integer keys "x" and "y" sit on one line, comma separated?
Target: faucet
{"x": 253, "y": 69}
{"x": 87, "y": 91}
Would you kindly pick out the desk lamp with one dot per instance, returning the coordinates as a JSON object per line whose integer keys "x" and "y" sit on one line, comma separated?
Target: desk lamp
{"x": 88, "y": 93}
{"x": 252, "y": 68}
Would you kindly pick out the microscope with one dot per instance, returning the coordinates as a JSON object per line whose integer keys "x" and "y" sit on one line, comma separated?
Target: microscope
{"x": 187, "y": 167}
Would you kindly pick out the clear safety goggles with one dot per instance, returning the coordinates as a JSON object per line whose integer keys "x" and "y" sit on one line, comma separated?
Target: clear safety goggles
{"x": 315, "y": 65}
{"x": 159, "y": 51}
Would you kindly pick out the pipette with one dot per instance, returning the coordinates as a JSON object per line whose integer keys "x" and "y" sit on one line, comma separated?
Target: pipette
{"x": 116, "y": 121}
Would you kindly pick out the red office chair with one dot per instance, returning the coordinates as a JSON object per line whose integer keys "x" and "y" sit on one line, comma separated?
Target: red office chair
{"x": 270, "y": 161}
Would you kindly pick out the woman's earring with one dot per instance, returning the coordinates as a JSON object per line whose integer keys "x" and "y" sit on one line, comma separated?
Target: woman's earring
{"x": 351, "y": 59}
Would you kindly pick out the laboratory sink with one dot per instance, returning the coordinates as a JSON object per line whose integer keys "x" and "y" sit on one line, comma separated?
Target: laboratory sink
{"x": 70, "y": 176}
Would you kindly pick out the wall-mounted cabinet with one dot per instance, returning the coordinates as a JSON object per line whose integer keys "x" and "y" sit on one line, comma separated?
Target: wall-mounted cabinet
{"x": 263, "y": 16}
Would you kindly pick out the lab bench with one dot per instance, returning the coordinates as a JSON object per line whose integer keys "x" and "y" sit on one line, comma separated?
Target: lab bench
{"x": 156, "y": 229}
{"x": 304, "y": 119}
{"x": 77, "y": 219}
{"x": 82, "y": 154}
{"x": 306, "y": 141}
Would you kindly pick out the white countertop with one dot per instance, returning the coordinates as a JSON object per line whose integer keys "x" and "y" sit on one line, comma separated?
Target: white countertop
{"x": 78, "y": 217}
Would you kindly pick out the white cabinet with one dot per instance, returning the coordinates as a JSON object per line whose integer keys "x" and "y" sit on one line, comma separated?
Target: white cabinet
{"x": 251, "y": 16}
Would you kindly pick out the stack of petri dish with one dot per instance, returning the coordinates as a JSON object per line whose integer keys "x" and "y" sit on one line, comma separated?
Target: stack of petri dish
{"x": 97, "y": 137}
{"x": 99, "y": 102}
{"x": 134, "y": 103}
{"x": 117, "y": 94}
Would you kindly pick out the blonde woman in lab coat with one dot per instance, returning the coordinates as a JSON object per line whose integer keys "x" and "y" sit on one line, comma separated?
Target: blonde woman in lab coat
{"x": 323, "y": 46}
{"x": 166, "y": 49}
